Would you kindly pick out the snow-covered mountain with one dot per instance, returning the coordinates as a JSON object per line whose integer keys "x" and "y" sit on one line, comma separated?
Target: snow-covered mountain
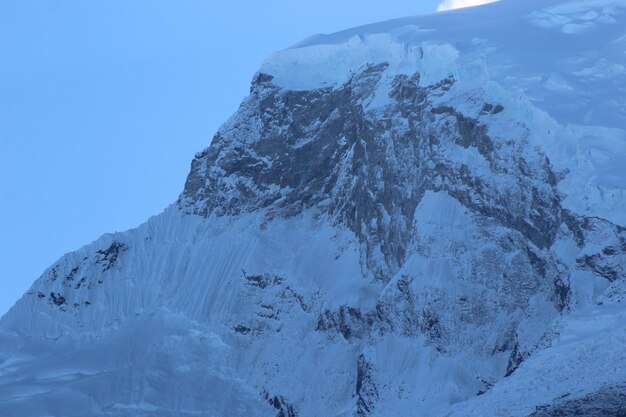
{"x": 421, "y": 217}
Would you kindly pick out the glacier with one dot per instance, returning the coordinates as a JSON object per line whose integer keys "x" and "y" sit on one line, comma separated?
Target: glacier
{"x": 419, "y": 217}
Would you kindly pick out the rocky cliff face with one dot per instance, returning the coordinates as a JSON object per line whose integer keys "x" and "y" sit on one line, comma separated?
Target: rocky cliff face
{"x": 370, "y": 168}
{"x": 401, "y": 234}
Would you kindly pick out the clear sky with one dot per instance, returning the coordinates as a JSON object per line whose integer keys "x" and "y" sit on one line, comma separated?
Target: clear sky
{"x": 103, "y": 104}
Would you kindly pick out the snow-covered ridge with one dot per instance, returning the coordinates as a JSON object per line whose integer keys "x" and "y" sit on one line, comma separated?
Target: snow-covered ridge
{"x": 560, "y": 65}
{"x": 315, "y": 66}
{"x": 556, "y": 50}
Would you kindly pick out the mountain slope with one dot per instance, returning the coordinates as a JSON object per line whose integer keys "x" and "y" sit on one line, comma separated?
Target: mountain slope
{"x": 418, "y": 217}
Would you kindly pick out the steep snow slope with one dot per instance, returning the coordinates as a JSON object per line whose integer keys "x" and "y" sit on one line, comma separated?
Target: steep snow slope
{"x": 418, "y": 217}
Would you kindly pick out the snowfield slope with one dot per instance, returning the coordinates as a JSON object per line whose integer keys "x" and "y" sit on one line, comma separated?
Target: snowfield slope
{"x": 421, "y": 217}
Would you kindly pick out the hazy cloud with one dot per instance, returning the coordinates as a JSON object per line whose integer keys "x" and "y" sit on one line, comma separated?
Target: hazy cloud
{"x": 457, "y": 4}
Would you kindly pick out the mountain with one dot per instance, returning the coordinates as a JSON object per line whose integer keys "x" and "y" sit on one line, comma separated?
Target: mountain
{"x": 421, "y": 217}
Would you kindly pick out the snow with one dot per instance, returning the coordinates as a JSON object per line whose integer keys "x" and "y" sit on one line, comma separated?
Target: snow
{"x": 315, "y": 66}
{"x": 495, "y": 37}
{"x": 189, "y": 315}
{"x": 181, "y": 279}
{"x": 457, "y": 4}
{"x": 587, "y": 355}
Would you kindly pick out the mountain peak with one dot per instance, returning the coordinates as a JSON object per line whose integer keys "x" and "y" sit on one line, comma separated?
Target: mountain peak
{"x": 418, "y": 217}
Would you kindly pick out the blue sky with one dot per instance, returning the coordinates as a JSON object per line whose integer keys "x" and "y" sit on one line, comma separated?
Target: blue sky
{"x": 104, "y": 103}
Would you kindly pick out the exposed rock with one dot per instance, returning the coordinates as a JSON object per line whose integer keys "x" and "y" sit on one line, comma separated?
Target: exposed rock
{"x": 108, "y": 257}
{"x": 279, "y": 403}
{"x": 366, "y": 391}
{"x": 57, "y": 299}
{"x": 608, "y": 402}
